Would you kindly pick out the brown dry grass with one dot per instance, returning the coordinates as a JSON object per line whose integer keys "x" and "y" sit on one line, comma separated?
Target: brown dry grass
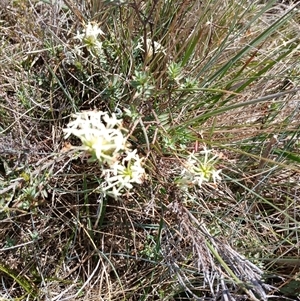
{"x": 60, "y": 241}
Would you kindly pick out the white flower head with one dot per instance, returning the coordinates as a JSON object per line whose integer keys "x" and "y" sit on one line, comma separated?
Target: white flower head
{"x": 134, "y": 166}
{"x": 198, "y": 170}
{"x": 90, "y": 37}
{"x": 122, "y": 175}
{"x": 100, "y": 135}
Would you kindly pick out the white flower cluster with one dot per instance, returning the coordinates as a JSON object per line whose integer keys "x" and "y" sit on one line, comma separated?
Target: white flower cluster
{"x": 122, "y": 174}
{"x": 198, "y": 170}
{"x": 102, "y": 136}
{"x": 89, "y": 37}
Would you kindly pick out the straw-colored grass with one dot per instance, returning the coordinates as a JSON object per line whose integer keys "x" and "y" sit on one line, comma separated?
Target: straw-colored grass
{"x": 223, "y": 76}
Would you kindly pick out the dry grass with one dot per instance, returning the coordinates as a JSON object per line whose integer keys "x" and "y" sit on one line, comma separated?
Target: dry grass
{"x": 238, "y": 240}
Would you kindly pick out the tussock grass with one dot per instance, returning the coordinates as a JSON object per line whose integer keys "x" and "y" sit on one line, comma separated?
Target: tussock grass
{"x": 195, "y": 75}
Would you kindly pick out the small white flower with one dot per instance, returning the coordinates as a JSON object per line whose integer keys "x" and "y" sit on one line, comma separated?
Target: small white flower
{"x": 92, "y": 30}
{"x": 199, "y": 170}
{"x": 99, "y": 134}
{"x": 112, "y": 121}
{"x": 134, "y": 166}
{"x": 216, "y": 175}
{"x": 122, "y": 175}
{"x": 112, "y": 191}
{"x": 89, "y": 37}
